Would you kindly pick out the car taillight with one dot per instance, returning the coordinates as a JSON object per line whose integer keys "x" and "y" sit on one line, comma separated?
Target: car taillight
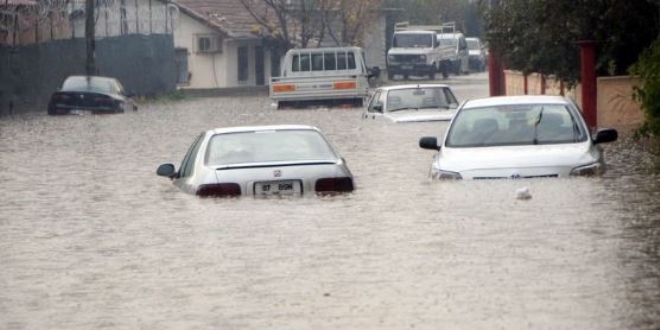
{"x": 334, "y": 185}
{"x": 219, "y": 190}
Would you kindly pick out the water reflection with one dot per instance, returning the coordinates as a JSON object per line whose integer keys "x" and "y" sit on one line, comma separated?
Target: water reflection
{"x": 90, "y": 237}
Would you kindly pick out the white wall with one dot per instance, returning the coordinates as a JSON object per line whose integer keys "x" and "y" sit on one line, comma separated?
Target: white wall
{"x": 207, "y": 70}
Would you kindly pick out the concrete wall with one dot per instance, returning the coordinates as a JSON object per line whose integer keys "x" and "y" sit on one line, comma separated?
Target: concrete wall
{"x": 615, "y": 105}
{"x": 375, "y": 44}
{"x": 30, "y": 74}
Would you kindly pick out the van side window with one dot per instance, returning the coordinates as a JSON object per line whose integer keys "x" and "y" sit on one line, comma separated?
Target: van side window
{"x": 305, "y": 62}
{"x": 341, "y": 61}
{"x": 330, "y": 61}
{"x": 317, "y": 62}
{"x": 295, "y": 63}
{"x": 300, "y": 62}
{"x": 351, "y": 60}
{"x": 345, "y": 60}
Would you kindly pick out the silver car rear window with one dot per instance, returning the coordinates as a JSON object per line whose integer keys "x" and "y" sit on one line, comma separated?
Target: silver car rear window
{"x": 268, "y": 146}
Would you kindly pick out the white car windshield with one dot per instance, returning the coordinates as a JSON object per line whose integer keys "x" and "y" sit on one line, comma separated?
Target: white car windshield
{"x": 420, "y": 98}
{"x": 268, "y": 146}
{"x": 524, "y": 124}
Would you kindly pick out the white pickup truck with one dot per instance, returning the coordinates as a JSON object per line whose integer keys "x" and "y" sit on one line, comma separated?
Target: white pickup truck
{"x": 311, "y": 76}
{"x": 416, "y": 51}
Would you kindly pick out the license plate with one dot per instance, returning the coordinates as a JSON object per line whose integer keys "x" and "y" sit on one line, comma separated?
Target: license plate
{"x": 407, "y": 67}
{"x": 80, "y": 112}
{"x": 278, "y": 188}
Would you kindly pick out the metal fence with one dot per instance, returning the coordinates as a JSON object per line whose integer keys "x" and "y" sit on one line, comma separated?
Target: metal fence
{"x": 145, "y": 64}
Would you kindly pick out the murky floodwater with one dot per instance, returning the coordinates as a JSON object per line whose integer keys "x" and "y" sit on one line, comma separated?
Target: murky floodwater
{"x": 91, "y": 238}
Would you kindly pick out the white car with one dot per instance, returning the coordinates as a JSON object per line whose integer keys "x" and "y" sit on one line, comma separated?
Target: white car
{"x": 518, "y": 137}
{"x": 412, "y": 103}
{"x": 278, "y": 160}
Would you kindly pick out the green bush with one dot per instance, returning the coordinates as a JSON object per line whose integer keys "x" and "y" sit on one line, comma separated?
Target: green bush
{"x": 647, "y": 69}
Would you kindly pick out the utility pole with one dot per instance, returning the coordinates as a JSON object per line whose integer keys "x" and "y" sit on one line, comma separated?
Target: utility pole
{"x": 90, "y": 67}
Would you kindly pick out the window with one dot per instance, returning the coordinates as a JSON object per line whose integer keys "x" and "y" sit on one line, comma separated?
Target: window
{"x": 188, "y": 162}
{"x": 330, "y": 61}
{"x": 317, "y": 62}
{"x": 243, "y": 67}
{"x": 300, "y": 62}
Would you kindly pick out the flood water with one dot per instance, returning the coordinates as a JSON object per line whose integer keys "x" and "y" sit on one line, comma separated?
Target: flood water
{"x": 91, "y": 238}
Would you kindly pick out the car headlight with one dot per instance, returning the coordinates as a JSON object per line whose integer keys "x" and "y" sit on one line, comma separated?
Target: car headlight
{"x": 445, "y": 175}
{"x": 391, "y": 58}
{"x": 589, "y": 170}
{"x": 422, "y": 58}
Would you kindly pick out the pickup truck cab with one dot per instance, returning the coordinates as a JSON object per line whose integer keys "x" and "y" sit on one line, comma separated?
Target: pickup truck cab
{"x": 321, "y": 76}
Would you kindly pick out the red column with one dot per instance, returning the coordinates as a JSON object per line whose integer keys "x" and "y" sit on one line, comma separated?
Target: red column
{"x": 589, "y": 82}
{"x": 495, "y": 74}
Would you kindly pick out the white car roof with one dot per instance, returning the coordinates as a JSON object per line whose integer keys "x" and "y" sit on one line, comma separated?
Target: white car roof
{"x": 238, "y": 129}
{"x": 519, "y": 99}
{"x": 407, "y": 86}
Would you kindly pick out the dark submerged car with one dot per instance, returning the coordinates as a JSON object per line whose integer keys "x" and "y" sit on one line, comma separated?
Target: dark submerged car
{"x": 90, "y": 95}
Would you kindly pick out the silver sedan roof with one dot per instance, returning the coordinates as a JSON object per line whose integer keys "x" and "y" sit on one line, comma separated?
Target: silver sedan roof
{"x": 512, "y": 100}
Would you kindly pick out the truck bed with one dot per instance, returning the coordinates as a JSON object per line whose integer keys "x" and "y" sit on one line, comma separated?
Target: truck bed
{"x": 317, "y": 89}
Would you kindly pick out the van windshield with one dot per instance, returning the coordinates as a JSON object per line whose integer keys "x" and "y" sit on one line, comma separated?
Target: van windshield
{"x": 412, "y": 40}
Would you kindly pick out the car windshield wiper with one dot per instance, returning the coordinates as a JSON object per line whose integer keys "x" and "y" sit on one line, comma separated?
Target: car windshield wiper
{"x": 536, "y": 126}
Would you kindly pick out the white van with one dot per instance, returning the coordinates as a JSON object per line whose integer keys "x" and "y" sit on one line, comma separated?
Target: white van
{"x": 322, "y": 75}
{"x": 461, "y": 55}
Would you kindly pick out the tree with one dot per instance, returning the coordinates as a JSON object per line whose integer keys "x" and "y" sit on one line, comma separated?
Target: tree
{"x": 299, "y": 23}
{"x": 542, "y": 35}
{"x": 648, "y": 94}
{"x": 436, "y": 12}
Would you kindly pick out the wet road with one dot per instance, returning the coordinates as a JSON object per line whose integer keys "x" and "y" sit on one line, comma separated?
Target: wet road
{"x": 91, "y": 238}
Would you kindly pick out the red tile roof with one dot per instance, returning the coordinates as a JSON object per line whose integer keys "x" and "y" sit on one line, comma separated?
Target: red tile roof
{"x": 228, "y": 16}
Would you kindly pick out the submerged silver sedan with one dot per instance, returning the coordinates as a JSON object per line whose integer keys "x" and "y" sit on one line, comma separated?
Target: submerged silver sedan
{"x": 278, "y": 160}
{"x": 518, "y": 137}
{"x": 412, "y": 103}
